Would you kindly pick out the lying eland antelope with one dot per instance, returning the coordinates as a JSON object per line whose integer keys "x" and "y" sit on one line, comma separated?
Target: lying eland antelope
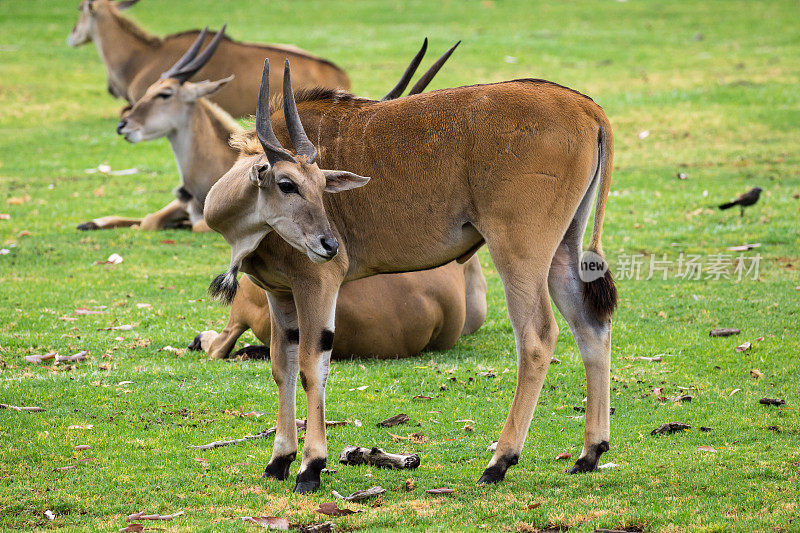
{"x": 200, "y": 132}
{"x": 134, "y": 59}
{"x": 513, "y": 164}
{"x": 384, "y": 316}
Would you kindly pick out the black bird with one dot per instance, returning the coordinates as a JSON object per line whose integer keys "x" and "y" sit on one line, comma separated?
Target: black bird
{"x": 747, "y": 199}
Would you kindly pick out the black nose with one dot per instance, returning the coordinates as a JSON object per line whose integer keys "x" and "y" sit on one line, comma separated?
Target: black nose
{"x": 122, "y": 124}
{"x": 330, "y": 244}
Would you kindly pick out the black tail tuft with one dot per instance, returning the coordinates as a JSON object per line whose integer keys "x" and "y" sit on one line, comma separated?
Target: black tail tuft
{"x": 224, "y": 286}
{"x": 728, "y": 205}
{"x": 601, "y": 295}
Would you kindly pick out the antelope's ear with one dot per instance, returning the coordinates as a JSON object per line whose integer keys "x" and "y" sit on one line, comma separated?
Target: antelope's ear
{"x": 341, "y": 180}
{"x": 122, "y": 5}
{"x": 204, "y": 88}
{"x": 261, "y": 174}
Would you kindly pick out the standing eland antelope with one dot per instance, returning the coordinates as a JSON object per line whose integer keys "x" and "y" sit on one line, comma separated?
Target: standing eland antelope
{"x": 512, "y": 164}
{"x": 386, "y": 316}
{"x": 134, "y": 59}
{"x": 200, "y": 132}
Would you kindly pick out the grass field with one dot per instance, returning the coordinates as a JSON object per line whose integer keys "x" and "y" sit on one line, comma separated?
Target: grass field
{"x": 714, "y": 86}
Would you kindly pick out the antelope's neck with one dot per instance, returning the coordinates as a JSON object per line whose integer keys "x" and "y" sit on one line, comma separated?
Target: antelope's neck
{"x": 124, "y": 53}
{"x": 201, "y": 150}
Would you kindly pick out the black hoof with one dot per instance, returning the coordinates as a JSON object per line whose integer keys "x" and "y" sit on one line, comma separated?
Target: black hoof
{"x": 88, "y": 226}
{"x": 260, "y": 352}
{"x": 195, "y": 344}
{"x": 588, "y": 463}
{"x": 306, "y": 487}
{"x": 497, "y": 472}
{"x": 278, "y": 468}
{"x": 308, "y": 480}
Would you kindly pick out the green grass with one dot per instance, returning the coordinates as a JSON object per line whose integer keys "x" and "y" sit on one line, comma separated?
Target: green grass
{"x": 713, "y": 82}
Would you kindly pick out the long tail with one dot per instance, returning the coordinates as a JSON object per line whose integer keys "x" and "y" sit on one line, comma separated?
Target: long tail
{"x": 728, "y": 205}
{"x": 601, "y": 294}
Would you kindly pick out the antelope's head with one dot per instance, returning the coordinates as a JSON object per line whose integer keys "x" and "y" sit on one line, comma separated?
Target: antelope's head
{"x": 90, "y": 12}
{"x": 285, "y": 193}
{"x": 167, "y": 105}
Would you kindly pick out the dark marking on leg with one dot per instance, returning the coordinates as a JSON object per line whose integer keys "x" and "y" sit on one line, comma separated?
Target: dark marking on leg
{"x": 182, "y": 194}
{"x": 308, "y": 480}
{"x": 326, "y": 340}
{"x": 278, "y": 468}
{"x": 303, "y": 381}
{"x": 497, "y": 472}
{"x": 195, "y": 344}
{"x": 260, "y": 352}
{"x": 588, "y": 462}
{"x": 293, "y": 336}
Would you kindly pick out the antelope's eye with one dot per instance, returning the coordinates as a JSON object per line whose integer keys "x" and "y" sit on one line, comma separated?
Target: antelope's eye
{"x": 164, "y": 95}
{"x": 287, "y": 187}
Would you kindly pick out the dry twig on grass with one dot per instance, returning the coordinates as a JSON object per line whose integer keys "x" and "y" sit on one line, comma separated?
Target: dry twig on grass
{"x": 26, "y": 409}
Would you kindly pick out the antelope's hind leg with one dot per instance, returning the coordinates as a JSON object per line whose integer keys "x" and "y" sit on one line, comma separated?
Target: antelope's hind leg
{"x": 285, "y": 365}
{"x": 592, "y": 333}
{"x": 535, "y": 331}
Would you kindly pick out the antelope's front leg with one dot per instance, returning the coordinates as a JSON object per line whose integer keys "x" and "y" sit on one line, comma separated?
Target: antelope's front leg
{"x": 316, "y": 317}
{"x": 284, "y": 364}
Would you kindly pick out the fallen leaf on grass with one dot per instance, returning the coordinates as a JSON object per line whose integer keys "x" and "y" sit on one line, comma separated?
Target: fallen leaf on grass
{"x": 123, "y": 327}
{"x": 654, "y": 359}
{"x": 682, "y": 175}
{"x": 144, "y": 306}
{"x": 5, "y": 216}
{"x": 443, "y": 490}
{"x": 659, "y": 392}
{"x": 756, "y": 373}
{"x": 744, "y": 247}
{"x": 670, "y": 427}
{"x": 734, "y": 391}
{"x": 706, "y": 449}
{"x": 362, "y": 387}
{"x": 395, "y": 420}
{"x": 563, "y": 455}
{"x": 268, "y": 522}
{"x": 19, "y": 200}
{"x": 87, "y": 426}
{"x": 681, "y": 398}
{"x": 534, "y": 505}
{"x": 50, "y": 515}
{"x": 644, "y": 134}
{"x": 201, "y": 459}
{"x": 82, "y": 447}
{"x": 724, "y": 332}
{"x": 86, "y": 311}
{"x": 113, "y": 259}
{"x": 421, "y": 397}
{"x": 771, "y": 401}
{"x": 743, "y": 347}
{"x": 608, "y": 465}
{"x": 63, "y": 468}
{"x": 361, "y": 495}
{"x": 331, "y": 509}
{"x": 492, "y": 447}
{"x": 132, "y": 527}
{"x": 24, "y": 233}
{"x": 168, "y": 241}
{"x": 4, "y": 251}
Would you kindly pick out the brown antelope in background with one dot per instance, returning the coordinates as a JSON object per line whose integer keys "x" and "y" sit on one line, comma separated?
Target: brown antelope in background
{"x": 134, "y": 59}
{"x": 513, "y": 164}
{"x": 384, "y": 316}
{"x": 200, "y": 132}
